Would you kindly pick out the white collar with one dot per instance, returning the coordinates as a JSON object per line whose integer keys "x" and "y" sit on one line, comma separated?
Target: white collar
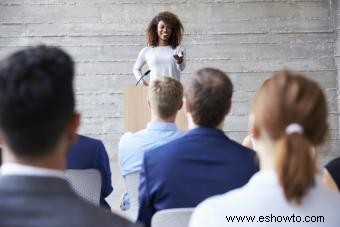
{"x": 270, "y": 177}
{"x": 26, "y": 170}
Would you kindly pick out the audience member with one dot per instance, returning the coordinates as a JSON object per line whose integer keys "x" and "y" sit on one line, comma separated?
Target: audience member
{"x": 164, "y": 100}
{"x": 37, "y": 124}
{"x": 331, "y": 175}
{"x": 203, "y": 162}
{"x": 89, "y": 153}
{"x": 290, "y": 119}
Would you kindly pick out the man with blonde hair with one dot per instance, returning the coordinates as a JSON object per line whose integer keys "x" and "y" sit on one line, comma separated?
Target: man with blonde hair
{"x": 202, "y": 163}
{"x": 164, "y": 100}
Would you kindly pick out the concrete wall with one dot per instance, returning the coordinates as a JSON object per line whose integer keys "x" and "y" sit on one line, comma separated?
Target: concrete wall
{"x": 246, "y": 38}
{"x": 336, "y": 23}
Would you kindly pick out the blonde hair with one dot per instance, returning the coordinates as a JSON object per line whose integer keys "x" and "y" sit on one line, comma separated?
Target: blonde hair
{"x": 165, "y": 95}
{"x": 285, "y": 99}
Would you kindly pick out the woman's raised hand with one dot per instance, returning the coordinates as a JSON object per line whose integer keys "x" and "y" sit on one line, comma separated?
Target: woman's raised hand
{"x": 179, "y": 58}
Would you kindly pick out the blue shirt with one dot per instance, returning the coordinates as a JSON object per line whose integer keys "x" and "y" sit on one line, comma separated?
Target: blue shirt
{"x": 132, "y": 146}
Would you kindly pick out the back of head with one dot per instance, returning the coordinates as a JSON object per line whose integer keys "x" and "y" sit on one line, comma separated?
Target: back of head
{"x": 292, "y": 110}
{"x": 165, "y": 96}
{"x": 36, "y": 99}
{"x": 208, "y": 96}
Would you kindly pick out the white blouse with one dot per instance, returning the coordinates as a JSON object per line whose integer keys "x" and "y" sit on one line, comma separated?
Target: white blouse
{"x": 160, "y": 61}
{"x": 263, "y": 196}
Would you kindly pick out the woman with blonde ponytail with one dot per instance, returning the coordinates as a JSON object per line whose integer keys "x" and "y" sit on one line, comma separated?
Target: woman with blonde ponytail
{"x": 290, "y": 121}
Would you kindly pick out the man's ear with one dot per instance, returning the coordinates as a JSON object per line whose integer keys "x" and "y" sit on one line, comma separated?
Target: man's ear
{"x": 73, "y": 128}
{"x": 228, "y": 107}
{"x": 255, "y": 130}
{"x": 180, "y": 105}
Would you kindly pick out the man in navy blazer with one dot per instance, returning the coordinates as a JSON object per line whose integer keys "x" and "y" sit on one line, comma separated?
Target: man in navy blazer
{"x": 38, "y": 123}
{"x": 202, "y": 163}
{"x": 89, "y": 153}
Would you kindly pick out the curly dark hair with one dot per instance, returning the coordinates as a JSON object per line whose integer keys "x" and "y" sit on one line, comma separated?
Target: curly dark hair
{"x": 169, "y": 19}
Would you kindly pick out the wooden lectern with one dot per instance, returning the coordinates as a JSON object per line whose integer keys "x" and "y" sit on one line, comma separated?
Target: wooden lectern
{"x": 137, "y": 113}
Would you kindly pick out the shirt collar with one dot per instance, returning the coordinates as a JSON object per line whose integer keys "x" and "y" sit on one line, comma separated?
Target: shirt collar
{"x": 162, "y": 126}
{"x": 26, "y": 170}
{"x": 270, "y": 177}
{"x": 206, "y": 131}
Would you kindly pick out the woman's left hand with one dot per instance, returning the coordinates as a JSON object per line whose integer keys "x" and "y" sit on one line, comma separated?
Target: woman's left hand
{"x": 179, "y": 58}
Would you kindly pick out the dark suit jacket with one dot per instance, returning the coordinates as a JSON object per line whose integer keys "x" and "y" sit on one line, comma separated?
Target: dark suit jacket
{"x": 184, "y": 172}
{"x": 333, "y": 168}
{"x": 29, "y": 201}
{"x": 89, "y": 153}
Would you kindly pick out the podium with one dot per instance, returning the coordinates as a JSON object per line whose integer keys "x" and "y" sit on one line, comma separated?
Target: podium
{"x": 137, "y": 112}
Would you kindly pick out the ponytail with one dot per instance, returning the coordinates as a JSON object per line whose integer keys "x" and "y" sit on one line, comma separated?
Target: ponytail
{"x": 296, "y": 166}
{"x": 292, "y": 110}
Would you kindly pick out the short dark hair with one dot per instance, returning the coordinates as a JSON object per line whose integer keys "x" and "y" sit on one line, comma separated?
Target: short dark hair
{"x": 169, "y": 19}
{"x": 36, "y": 99}
{"x": 209, "y": 96}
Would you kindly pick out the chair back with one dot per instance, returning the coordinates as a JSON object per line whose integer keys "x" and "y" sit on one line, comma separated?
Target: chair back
{"x": 132, "y": 184}
{"x": 86, "y": 183}
{"x": 178, "y": 217}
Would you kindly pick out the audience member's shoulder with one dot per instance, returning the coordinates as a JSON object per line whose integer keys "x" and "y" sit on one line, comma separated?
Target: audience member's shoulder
{"x": 166, "y": 148}
{"x": 331, "y": 196}
{"x": 334, "y": 164}
{"x": 213, "y": 208}
{"x": 240, "y": 147}
{"x": 154, "y": 151}
{"x": 126, "y": 138}
{"x": 86, "y": 139}
{"x": 129, "y": 137}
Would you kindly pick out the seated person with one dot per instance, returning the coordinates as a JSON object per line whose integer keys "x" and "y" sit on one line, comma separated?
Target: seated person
{"x": 331, "y": 176}
{"x": 38, "y": 123}
{"x": 202, "y": 163}
{"x": 164, "y": 100}
{"x": 290, "y": 120}
{"x": 89, "y": 153}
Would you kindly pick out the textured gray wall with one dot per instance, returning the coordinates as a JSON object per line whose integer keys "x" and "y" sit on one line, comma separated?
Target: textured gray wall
{"x": 246, "y": 38}
{"x": 336, "y": 22}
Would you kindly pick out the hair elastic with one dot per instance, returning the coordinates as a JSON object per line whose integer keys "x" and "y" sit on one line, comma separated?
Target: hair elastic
{"x": 294, "y": 128}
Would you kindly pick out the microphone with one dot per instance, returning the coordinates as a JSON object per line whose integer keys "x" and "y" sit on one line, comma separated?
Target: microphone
{"x": 144, "y": 75}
